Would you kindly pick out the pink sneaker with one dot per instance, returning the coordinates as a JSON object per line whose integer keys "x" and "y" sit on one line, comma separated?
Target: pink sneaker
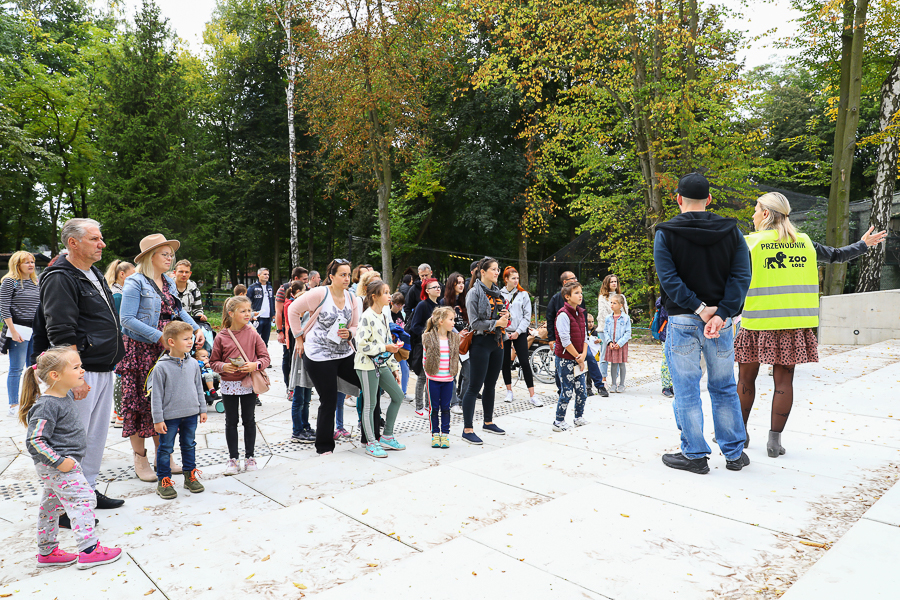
{"x": 341, "y": 433}
{"x": 100, "y": 556}
{"x": 57, "y": 558}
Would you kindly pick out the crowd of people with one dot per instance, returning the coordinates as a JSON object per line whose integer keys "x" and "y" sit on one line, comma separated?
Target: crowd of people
{"x": 74, "y": 336}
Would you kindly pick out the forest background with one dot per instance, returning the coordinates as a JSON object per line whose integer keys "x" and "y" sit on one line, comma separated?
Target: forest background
{"x": 396, "y": 132}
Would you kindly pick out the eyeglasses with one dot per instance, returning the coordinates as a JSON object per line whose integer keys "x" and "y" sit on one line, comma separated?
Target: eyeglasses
{"x": 341, "y": 261}
{"x": 167, "y": 255}
{"x": 434, "y": 287}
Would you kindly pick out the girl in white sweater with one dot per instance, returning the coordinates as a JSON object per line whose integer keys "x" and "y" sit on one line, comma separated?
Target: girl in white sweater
{"x": 610, "y": 287}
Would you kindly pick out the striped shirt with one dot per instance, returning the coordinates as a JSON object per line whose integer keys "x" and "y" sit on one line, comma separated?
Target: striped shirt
{"x": 19, "y": 296}
{"x": 443, "y": 373}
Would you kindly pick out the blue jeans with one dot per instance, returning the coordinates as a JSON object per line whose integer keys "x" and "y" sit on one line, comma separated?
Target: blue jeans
{"x": 19, "y": 359}
{"x": 404, "y": 375}
{"x": 604, "y": 366}
{"x": 684, "y": 343}
{"x": 339, "y": 411}
{"x": 300, "y": 410}
{"x": 186, "y": 427}
{"x": 440, "y": 393}
{"x": 572, "y": 387}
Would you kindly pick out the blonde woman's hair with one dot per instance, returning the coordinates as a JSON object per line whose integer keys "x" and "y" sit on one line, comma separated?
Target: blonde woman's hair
{"x": 779, "y": 208}
{"x": 364, "y": 280}
{"x": 51, "y": 360}
{"x": 230, "y": 306}
{"x": 14, "y": 261}
{"x": 618, "y": 298}
{"x": 145, "y": 265}
{"x": 439, "y": 314}
{"x": 115, "y": 267}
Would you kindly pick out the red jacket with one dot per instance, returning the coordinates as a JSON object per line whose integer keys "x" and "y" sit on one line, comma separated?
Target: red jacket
{"x": 225, "y": 348}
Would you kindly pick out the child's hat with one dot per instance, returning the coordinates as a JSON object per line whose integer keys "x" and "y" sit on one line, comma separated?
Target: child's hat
{"x": 154, "y": 241}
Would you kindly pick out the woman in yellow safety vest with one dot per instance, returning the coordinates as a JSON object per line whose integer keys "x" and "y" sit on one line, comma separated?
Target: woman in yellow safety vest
{"x": 782, "y": 307}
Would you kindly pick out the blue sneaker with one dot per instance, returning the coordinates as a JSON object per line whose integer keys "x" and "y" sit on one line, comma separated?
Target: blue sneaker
{"x": 375, "y": 450}
{"x": 472, "y": 438}
{"x": 390, "y": 443}
{"x": 492, "y": 428}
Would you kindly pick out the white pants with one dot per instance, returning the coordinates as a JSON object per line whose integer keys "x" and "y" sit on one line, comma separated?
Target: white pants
{"x": 95, "y": 410}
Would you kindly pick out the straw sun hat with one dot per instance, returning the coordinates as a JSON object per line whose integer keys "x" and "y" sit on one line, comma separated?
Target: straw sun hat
{"x": 154, "y": 241}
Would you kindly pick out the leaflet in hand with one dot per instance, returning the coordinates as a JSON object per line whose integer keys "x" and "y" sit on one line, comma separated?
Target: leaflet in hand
{"x": 25, "y": 332}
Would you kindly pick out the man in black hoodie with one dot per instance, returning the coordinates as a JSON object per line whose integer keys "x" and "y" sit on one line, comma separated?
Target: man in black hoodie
{"x": 77, "y": 310}
{"x": 703, "y": 265}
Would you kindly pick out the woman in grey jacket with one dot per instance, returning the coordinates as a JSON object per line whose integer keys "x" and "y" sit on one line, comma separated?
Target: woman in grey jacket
{"x": 488, "y": 318}
{"x": 519, "y": 304}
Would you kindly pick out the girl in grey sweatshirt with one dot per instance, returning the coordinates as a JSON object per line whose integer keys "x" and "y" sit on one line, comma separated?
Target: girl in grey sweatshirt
{"x": 57, "y": 442}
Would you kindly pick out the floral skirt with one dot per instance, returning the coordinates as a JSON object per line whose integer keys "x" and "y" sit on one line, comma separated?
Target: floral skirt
{"x": 133, "y": 370}
{"x": 780, "y": 347}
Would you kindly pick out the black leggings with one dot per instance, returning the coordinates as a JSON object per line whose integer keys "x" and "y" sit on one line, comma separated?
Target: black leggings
{"x": 324, "y": 375}
{"x": 486, "y": 358}
{"x": 247, "y": 403}
{"x": 521, "y": 346}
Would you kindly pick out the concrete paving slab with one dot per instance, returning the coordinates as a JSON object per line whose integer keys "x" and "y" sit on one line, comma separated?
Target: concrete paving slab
{"x": 652, "y": 549}
{"x": 461, "y": 568}
{"x": 862, "y": 564}
{"x": 545, "y": 468}
{"x": 430, "y": 507}
{"x": 887, "y": 509}
{"x": 121, "y": 579}
{"x": 268, "y": 555}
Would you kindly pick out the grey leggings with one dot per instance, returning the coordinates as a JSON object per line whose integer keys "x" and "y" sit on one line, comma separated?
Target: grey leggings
{"x": 617, "y": 369}
{"x": 370, "y": 383}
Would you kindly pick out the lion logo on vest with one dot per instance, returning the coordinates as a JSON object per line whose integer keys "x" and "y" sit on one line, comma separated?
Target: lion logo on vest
{"x": 777, "y": 261}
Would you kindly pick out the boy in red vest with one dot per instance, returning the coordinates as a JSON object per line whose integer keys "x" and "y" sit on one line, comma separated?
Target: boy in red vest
{"x": 571, "y": 350}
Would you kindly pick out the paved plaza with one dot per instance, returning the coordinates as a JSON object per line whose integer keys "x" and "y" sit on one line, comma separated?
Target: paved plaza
{"x": 588, "y": 513}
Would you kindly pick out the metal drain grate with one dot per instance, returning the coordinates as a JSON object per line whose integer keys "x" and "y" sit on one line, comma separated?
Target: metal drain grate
{"x": 19, "y": 490}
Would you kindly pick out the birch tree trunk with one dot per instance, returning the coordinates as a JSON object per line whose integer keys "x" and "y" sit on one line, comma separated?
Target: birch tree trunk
{"x": 838, "y": 232}
{"x": 885, "y": 179}
{"x": 285, "y": 19}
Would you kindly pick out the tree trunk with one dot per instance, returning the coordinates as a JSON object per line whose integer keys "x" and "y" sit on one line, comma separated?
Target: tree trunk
{"x": 838, "y": 232}
{"x": 286, "y": 21}
{"x": 885, "y": 178}
{"x": 310, "y": 248}
{"x": 384, "y": 213}
{"x": 522, "y": 243}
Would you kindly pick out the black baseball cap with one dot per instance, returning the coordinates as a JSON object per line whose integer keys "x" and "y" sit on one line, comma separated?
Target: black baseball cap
{"x": 694, "y": 186}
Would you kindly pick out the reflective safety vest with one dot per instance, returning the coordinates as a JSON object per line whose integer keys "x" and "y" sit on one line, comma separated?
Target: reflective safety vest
{"x": 784, "y": 291}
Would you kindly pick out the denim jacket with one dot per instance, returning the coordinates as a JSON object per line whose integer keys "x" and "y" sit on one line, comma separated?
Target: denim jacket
{"x": 141, "y": 306}
{"x": 623, "y": 329}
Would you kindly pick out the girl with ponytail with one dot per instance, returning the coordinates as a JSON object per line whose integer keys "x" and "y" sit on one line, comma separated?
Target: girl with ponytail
{"x": 57, "y": 442}
{"x": 440, "y": 361}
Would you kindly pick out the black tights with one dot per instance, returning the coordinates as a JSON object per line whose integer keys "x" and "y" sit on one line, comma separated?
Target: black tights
{"x": 783, "y": 400}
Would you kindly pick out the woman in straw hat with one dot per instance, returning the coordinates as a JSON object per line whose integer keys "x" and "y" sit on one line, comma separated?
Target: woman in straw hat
{"x": 149, "y": 303}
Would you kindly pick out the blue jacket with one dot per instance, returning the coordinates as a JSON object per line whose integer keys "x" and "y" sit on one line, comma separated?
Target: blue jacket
{"x": 255, "y": 293}
{"x": 623, "y": 329}
{"x": 141, "y": 306}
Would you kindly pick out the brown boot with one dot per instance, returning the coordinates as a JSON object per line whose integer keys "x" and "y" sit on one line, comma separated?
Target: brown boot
{"x": 142, "y": 468}
{"x": 176, "y": 468}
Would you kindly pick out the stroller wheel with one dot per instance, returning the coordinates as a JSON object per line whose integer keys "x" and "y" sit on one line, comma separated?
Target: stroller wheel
{"x": 220, "y": 406}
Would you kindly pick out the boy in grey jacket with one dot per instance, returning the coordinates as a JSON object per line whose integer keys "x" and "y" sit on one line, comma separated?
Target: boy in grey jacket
{"x": 176, "y": 400}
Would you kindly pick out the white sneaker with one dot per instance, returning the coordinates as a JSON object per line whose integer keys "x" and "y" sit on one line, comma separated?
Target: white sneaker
{"x": 250, "y": 465}
{"x": 580, "y": 421}
{"x": 232, "y": 467}
{"x": 456, "y": 409}
{"x": 14, "y": 410}
{"x": 422, "y": 414}
{"x": 509, "y": 396}
{"x": 560, "y": 426}
{"x": 536, "y": 400}
{"x": 350, "y": 401}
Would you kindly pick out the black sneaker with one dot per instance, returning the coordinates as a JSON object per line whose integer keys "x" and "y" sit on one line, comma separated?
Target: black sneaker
{"x": 668, "y": 393}
{"x": 680, "y": 461}
{"x": 307, "y": 437}
{"x": 214, "y": 395}
{"x": 258, "y": 403}
{"x": 65, "y": 523}
{"x": 492, "y": 428}
{"x": 602, "y": 391}
{"x": 106, "y": 502}
{"x": 740, "y": 463}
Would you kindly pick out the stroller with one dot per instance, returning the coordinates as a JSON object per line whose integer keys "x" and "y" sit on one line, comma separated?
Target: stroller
{"x": 209, "y": 336}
